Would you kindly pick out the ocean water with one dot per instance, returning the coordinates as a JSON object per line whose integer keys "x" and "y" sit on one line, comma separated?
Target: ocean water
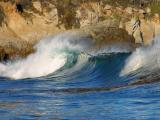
{"x": 67, "y": 78}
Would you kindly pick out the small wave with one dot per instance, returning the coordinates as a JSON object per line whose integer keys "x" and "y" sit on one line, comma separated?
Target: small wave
{"x": 143, "y": 61}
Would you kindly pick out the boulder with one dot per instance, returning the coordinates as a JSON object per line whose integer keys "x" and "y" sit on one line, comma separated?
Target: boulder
{"x": 107, "y": 33}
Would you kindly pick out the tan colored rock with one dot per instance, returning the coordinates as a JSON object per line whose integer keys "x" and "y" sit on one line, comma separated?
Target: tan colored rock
{"x": 148, "y": 32}
{"x": 135, "y": 33}
{"x": 141, "y": 11}
{"x": 129, "y": 10}
{"x": 89, "y": 13}
{"x": 143, "y": 34}
{"x": 156, "y": 18}
{"x": 108, "y": 33}
{"x": 32, "y": 29}
{"x": 107, "y": 7}
{"x": 148, "y": 10}
{"x": 102, "y": 34}
{"x": 156, "y": 27}
{"x": 40, "y": 26}
{"x": 37, "y": 5}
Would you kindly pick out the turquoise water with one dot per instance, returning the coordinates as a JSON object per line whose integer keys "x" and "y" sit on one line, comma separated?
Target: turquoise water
{"x": 93, "y": 92}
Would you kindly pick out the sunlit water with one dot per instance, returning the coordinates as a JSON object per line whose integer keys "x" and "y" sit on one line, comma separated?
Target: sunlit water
{"x": 72, "y": 81}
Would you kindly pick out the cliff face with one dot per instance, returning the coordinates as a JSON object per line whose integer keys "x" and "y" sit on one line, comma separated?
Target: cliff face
{"x": 24, "y": 22}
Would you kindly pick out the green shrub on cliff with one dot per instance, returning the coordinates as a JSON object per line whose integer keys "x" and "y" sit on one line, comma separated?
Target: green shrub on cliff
{"x": 155, "y": 8}
{"x": 67, "y": 13}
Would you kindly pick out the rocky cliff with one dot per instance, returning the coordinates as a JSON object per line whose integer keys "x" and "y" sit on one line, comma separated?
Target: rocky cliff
{"x": 24, "y": 22}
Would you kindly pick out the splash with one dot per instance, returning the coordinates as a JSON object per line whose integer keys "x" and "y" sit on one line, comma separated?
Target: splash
{"x": 51, "y": 54}
{"x": 143, "y": 61}
{"x": 55, "y": 53}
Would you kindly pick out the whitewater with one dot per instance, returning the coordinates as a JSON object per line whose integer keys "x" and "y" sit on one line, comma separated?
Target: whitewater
{"x": 55, "y": 52}
{"x": 144, "y": 60}
{"x": 67, "y": 52}
{"x": 69, "y": 78}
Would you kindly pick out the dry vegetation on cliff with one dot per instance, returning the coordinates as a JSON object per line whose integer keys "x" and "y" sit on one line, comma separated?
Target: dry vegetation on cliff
{"x": 67, "y": 9}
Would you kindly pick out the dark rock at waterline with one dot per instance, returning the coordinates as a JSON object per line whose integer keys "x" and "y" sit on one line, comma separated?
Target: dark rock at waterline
{"x": 9, "y": 53}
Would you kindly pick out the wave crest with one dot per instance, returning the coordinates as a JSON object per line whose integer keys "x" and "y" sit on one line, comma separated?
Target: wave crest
{"x": 143, "y": 61}
{"x": 55, "y": 53}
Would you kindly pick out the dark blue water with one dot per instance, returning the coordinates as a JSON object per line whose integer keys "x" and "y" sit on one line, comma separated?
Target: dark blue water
{"x": 94, "y": 92}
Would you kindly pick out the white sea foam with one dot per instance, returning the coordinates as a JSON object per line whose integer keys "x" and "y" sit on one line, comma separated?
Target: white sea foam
{"x": 51, "y": 54}
{"x": 144, "y": 60}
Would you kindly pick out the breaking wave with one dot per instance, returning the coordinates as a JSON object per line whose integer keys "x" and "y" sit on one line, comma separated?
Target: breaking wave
{"x": 55, "y": 53}
{"x": 66, "y": 53}
{"x": 144, "y": 60}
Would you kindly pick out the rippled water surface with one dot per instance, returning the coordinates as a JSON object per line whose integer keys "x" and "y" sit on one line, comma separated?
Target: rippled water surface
{"x": 91, "y": 93}
{"x": 68, "y": 79}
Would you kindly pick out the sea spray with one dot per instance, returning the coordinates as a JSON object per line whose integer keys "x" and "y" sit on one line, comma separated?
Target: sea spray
{"x": 51, "y": 54}
{"x": 144, "y": 60}
{"x": 56, "y": 53}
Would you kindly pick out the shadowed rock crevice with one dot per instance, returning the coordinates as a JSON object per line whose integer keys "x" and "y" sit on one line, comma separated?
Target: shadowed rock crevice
{"x": 2, "y": 16}
{"x": 19, "y": 8}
